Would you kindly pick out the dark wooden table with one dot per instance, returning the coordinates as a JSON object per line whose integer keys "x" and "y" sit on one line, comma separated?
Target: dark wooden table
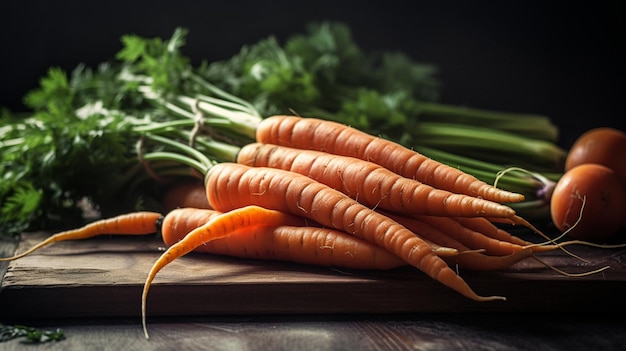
{"x": 473, "y": 331}
{"x": 69, "y": 286}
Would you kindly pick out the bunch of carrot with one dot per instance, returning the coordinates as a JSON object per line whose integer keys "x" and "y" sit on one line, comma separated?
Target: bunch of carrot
{"x": 377, "y": 196}
{"x": 319, "y": 192}
{"x": 312, "y": 191}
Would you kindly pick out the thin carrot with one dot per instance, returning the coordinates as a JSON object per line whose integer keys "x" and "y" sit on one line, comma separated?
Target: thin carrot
{"x": 488, "y": 228}
{"x": 218, "y": 227}
{"x": 485, "y": 227}
{"x": 467, "y": 257}
{"x": 336, "y": 138}
{"x": 294, "y": 241}
{"x": 469, "y": 237}
{"x": 231, "y": 186}
{"x": 370, "y": 183}
{"x": 429, "y": 233}
{"x": 135, "y": 223}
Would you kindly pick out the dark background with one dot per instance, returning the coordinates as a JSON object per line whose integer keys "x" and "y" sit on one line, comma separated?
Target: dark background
{"x": 564, "y": 60}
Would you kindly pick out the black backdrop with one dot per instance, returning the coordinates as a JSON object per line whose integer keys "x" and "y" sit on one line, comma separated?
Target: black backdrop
{"x": 565, "y": 60}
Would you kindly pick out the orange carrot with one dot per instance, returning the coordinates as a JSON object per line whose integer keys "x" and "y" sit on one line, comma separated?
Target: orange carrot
{"x": 336, "y": 138}
{"x": 486, "y": 227}
{"x": 470, "y": 238}
{"x": 218, "y": 227}
{"x": 185, "y": 193}
{"x": 370, "y": 183}
{"x": 135, "y": 223}
{"x": 467, "y": 258}
{"x": 231, "y": 186}
{"x": 294, "y": 241}
{"x": 180, "y": 221}
{"x": 266, "y": 243}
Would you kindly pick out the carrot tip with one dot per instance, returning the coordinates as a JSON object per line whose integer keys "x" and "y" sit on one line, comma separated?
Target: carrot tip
{"x": 445, "y": 252}
{"x": 491, "y": 298}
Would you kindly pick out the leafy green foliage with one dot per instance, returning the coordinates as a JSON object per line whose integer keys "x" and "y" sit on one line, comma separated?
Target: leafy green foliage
{"x": 265, "y": 75}
{"x": 23, "y": 201}
{"x": 54, "y": 95}
{"x": 31, "y": 334}
{"x": 78, "y": 144}
{"x": 325, "y": 73}
{"x": 160, "y": 60}
{"x": 400, "y": 74}
{"x": 81, "y": 140}
{"x": 65, "y": 150}
{"x": 371, "y": 110}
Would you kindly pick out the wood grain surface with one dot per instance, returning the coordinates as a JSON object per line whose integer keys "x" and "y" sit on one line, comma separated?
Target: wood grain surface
{"x": 104, "y": 276}
{"x": 484, "y": 332}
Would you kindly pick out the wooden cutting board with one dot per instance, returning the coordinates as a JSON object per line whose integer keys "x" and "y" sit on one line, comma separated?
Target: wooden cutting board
{"x": 104, "y": 276}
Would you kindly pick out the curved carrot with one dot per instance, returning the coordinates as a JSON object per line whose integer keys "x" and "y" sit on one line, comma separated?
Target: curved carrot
{"x": 336, "y": 138}
{"x": 218, "y": 227}
{"x": 231, "y": 186}
{"x": 370, "y": 183}
{"x": 135, "y": 223}
{"x": 293, "y": 241}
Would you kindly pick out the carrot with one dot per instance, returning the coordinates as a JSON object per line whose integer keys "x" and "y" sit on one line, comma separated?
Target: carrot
{"x": 259, "y": 242}
{"x": 218, "y": 227}
{"x": 486, "y": 227}
{"x": 336, "y": 138}
{"x": 185, "y": 193}
{"x": 467, "y": 257}
{"x": 135, "y": 223}
{"x": 180, "y": 221}
{"x": 231, "y": 186}
{"x": 469, "y": 237}
{"x": 370, "y": 183}
{"x": 293, "y": 241}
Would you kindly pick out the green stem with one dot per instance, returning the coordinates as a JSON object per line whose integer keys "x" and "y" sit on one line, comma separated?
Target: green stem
{"x": 461, "y": 161}
{"x": 164, "y": 126}
{"x": 194, "y": 158}
{"x": 238, "y": 121}
{"x": 234, "y": 101}
{"x": 220, "y": 152}
{"x": 11, "y": 143}
{"x": 474, "y": 140}
{"x": 513, "y": 180}
{"x": 234, "y": 118}
{"x": 172, "y": 156}
{"x": 529, "y": 125}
